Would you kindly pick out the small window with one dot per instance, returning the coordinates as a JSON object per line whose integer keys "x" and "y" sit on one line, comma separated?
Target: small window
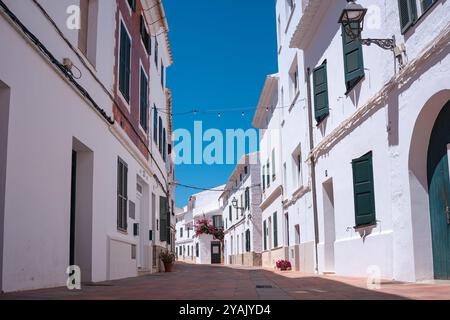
{"x": 124, "y": 63}
{"x": 156, "y": 52}
{"x": 268, "y": 174}
{"x": 289, "y": 8}
{"x": 155, "y": 124}
{"x": 408, "y": 13}
{"x": 122, "y": 195}
{"x": 164, "y": 145}
{"x": 274, "y": 176}
{"x": 426, "y": 4}
{"x": 181, "y": 232}
{"x": 145, "y": 37}
{"x": 160, "y": 133}
{"x": 363, "y": 188}
{"x": 293, "y": 80}
{"x": 143, "y": 115}
{"x": 275, "y": 230}
{"x": 247, "y": 198}
{"x": 132, "y": 4}
{"x": 265, "y": 234}
{"x": 162, "y": 75}
{"x": 230, "y": 209}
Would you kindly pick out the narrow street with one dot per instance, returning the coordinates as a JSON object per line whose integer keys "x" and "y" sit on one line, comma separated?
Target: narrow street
{"x": 205, "y": 282}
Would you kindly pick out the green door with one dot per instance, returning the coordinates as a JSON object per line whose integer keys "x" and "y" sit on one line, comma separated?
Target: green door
{"x": 439, "y": 193}
{"x": 215, "y": 253}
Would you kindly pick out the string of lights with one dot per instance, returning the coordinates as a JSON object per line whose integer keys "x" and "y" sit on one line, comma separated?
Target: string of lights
{"x": 222, "y": 111}
{"x": 212, "y": 189}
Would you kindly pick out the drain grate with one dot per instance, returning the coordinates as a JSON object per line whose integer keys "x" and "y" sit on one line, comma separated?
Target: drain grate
{"x": 264, "y": 287}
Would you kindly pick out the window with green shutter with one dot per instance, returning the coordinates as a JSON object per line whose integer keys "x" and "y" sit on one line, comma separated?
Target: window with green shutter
{"x": 122, "y": 195}
{"x": 320, "y": 86}
{"x": 408, "y": 13}
{"x": 160, "y": 134}
{"x": 247, "y": 241}
{"x": 275, "y": 230}
{"x": 264, "y": 178}
{"x": 146, "y": 38}
{"x": 230, "y": 213}
{"x": 124, "y": 63}
{"x": 163, "y": 221}
{"x": 143, "y": 114}
{"x": 247, "y": 198}
{"x": 353, "y": 60}
{"x": 265, "y": 235}
{"x": 363, "y": 188}
{"x": 155, "y": 124}
{"x": 132, "y": 4}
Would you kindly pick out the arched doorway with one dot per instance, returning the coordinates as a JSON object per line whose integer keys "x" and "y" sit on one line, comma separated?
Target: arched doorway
{"x": 439, "y": 193}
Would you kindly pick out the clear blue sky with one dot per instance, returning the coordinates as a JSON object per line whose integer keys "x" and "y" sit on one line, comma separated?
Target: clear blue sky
{"x": 223, "y": 51}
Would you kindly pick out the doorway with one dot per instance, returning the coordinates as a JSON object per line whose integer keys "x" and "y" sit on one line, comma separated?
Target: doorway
{"x": 81, "y": 209}
{"x": 329, "y": 225}
{"x": 215, "y": 253}
{"x": 439, "y": 193}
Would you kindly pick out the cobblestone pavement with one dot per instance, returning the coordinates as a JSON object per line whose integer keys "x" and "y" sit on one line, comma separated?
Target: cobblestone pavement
{"x": 196, "y": 282}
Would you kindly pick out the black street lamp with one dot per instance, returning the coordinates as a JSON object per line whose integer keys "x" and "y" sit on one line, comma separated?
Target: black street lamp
{"x": 235, "y": 205}
{"x": 352, "y": 20}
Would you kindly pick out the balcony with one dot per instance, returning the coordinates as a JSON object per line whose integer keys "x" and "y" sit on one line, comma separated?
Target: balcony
{"x": 312, "y": 10}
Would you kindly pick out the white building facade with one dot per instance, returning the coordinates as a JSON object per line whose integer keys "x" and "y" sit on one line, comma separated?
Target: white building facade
{"x": 377, "y": 164}
{"x": 184, "y": 240}
{"x": 242, "y": 219}
{"x": 83, "y": 181}
{"x": 204, "y": 248}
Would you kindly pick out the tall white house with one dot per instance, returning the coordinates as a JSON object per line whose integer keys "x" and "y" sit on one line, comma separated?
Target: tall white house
{"x": 203, "y": 248}
{"x": 185, "y": 233}
{"x": 85, "y": 141}
{"x": 370, "y": 126}
{"x": 242, "y": 217}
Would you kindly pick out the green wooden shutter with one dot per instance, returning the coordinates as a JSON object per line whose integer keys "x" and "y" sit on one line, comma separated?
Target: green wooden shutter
{"x": 124, "y": 63}
{"x": 264, "y": 177}
{"x": 122, "y": 59}
{"x": 275, "y": 230}
{"x": 230, "y": 213}
{"x": 408, "y": 13}
{"x": 273, "y": 164}
{"x": 353, "y": 60}
{"x": 363, "y": 187}
{"x": 132, "y": 4}
{"x": 320, "y": 85}
{"x": 163, "y": 219}
{"x": 265, "y": 235}
{"x": 144, "y": 101}
{"x": 247, "y": 241}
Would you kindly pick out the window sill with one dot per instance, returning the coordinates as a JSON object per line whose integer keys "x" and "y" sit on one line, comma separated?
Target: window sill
{"x": 365, "y": 226}
{"x": 122, "y": 231}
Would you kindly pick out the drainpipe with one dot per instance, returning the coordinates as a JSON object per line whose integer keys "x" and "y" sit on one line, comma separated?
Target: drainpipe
{"x": 313, "y": 168}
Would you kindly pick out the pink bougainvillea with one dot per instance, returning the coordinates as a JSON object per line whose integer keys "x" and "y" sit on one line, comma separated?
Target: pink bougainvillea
{"x": 204, "y": 226}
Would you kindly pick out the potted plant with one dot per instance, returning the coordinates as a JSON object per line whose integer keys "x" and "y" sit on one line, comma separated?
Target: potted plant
{"x": 168, "y": 258}
{"x": 284, "y": 265}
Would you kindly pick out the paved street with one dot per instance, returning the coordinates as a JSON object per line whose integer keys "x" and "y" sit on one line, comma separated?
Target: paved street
{"x": 194, "y": 282}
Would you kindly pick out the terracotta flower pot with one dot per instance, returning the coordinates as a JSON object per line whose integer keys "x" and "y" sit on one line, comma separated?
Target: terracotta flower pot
{"x": 168, "y": 267}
